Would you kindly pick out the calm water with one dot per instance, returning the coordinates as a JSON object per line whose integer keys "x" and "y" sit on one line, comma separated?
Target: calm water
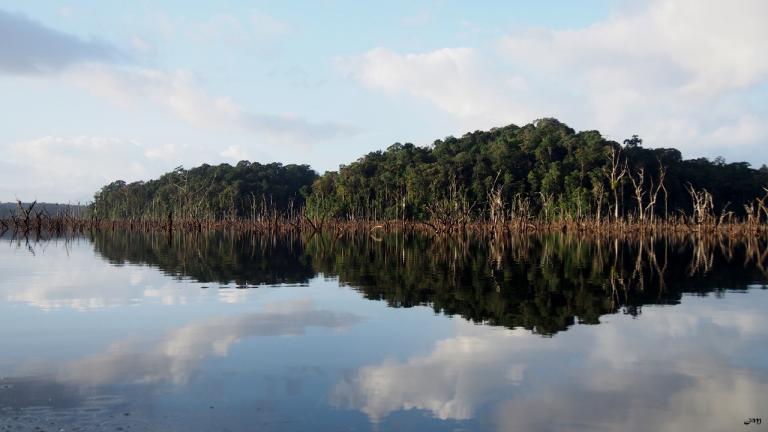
{"x": 118, "y": 331}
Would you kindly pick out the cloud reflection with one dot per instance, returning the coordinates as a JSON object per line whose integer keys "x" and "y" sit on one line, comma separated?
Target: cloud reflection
{"x": 179, "y": 353}
{"x": 70, "y": 276}
{"x": 682, "y": 368}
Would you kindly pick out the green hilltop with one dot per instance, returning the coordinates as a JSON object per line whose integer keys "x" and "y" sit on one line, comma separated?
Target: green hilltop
{"x": 544, "y": 168}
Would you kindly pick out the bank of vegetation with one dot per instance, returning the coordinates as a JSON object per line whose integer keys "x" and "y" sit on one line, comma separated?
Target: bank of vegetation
{"x": 541, "y": 175}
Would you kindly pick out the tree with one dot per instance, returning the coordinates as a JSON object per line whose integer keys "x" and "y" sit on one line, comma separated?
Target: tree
{"x": 633, "y": 142}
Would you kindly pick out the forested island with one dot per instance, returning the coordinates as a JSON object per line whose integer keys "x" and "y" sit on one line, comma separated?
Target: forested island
{"x": 544, "y": 170}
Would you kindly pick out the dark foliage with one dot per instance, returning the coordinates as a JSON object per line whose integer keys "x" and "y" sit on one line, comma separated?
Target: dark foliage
{"x": 213, "y": 192}
{"x": 561, "y": 172}
{"x": 545, "y": 169}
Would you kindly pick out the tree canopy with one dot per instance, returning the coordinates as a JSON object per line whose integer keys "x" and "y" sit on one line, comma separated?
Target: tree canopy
{"x": 562, "y": 171}
{"x": 208, "y": 192}
{"x": 545, "y": 166}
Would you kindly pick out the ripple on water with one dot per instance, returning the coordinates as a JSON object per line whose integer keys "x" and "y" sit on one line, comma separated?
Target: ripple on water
{"x": 99, "y": 413}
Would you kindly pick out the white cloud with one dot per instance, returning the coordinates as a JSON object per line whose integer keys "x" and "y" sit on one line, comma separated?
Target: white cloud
{"x": 672, "y": 71}
{"x": 33, "y": 48}
{"x": 236, "y": 152}
{"x": 675, "y": 72}
{"x": 72, "y": 168}
{"x": 166, "y": 152}
{"x": 180, "y": 94}
{"x": 455, "y": 80}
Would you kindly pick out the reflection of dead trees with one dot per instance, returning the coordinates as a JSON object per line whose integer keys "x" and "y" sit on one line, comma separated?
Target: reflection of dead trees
{"x": 637, "y": 273}
{"x": 661, "y": 269}
{"x": 703, "y": 255}
{"x": 757, "y": 252}
{"x": 618, "y": 285}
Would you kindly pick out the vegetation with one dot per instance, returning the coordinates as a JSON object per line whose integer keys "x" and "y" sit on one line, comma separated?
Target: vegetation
{"x": 245, "y": 190}
{"x": 212, "y": 257}
{"x": 7, "y": 209}
{"x": 541, "y": 175}
{"x": 542, "y": 282}
{"x": 543, "y": 170}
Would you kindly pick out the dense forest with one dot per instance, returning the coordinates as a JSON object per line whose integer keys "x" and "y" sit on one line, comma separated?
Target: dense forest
{"x": 542, "y": 170}
{"x": 214, "y": 192}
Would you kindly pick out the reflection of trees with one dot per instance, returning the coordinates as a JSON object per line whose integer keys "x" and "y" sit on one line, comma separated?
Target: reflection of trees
{"x": 544, "y": 283}
{"x": 212, "y": 256}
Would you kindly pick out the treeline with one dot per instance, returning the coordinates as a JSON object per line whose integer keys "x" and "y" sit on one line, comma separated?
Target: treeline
{"x": 208, "y": 192}
{"x": 542, "y": 171}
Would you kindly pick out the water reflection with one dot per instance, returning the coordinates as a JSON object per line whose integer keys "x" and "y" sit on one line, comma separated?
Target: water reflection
{"x": 402, "y": 332}
{"x": 211, "y": 257}
{"x": 543, "y": 283}
{"x": 130, "y": 376}
{"x": 180, "y": 352}
{"x": 679, "y": 366}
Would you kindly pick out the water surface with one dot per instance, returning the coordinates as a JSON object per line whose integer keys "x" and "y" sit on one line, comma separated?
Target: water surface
{"x": 225, "y": 332}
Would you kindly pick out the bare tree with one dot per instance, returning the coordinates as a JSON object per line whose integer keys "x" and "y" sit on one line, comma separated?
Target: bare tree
{"x": 495, "y": 201}
{"x": 703, "y": 206}
{"x": 615, "y": 175}
{"x": 639, "y": 192}
{"x": 598, "y": 191}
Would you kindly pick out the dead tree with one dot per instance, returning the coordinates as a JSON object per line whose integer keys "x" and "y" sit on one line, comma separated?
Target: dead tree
{"x": 496, "y": 202}
{"x": 639, "y": 192}
{"x": 598, "y": 190}
{"x": 703, "y": 206}
{"x": 615, "y": 174}
{"x": 662, "y": 187}
{"x": 762, "y": 206}
{"x": 24, "y": 217}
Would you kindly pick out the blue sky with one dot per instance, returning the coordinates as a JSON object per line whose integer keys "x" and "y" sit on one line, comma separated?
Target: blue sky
{"x": 99, "y": 91}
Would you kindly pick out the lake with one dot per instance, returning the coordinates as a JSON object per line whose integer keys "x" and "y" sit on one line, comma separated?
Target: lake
{"x": 217, "y": 331}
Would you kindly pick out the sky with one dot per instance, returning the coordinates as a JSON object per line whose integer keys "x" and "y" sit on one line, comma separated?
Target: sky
{"x": 96, "y": 91}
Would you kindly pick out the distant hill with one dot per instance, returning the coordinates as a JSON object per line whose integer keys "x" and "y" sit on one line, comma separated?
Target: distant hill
{"x": 50, "y": 208}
